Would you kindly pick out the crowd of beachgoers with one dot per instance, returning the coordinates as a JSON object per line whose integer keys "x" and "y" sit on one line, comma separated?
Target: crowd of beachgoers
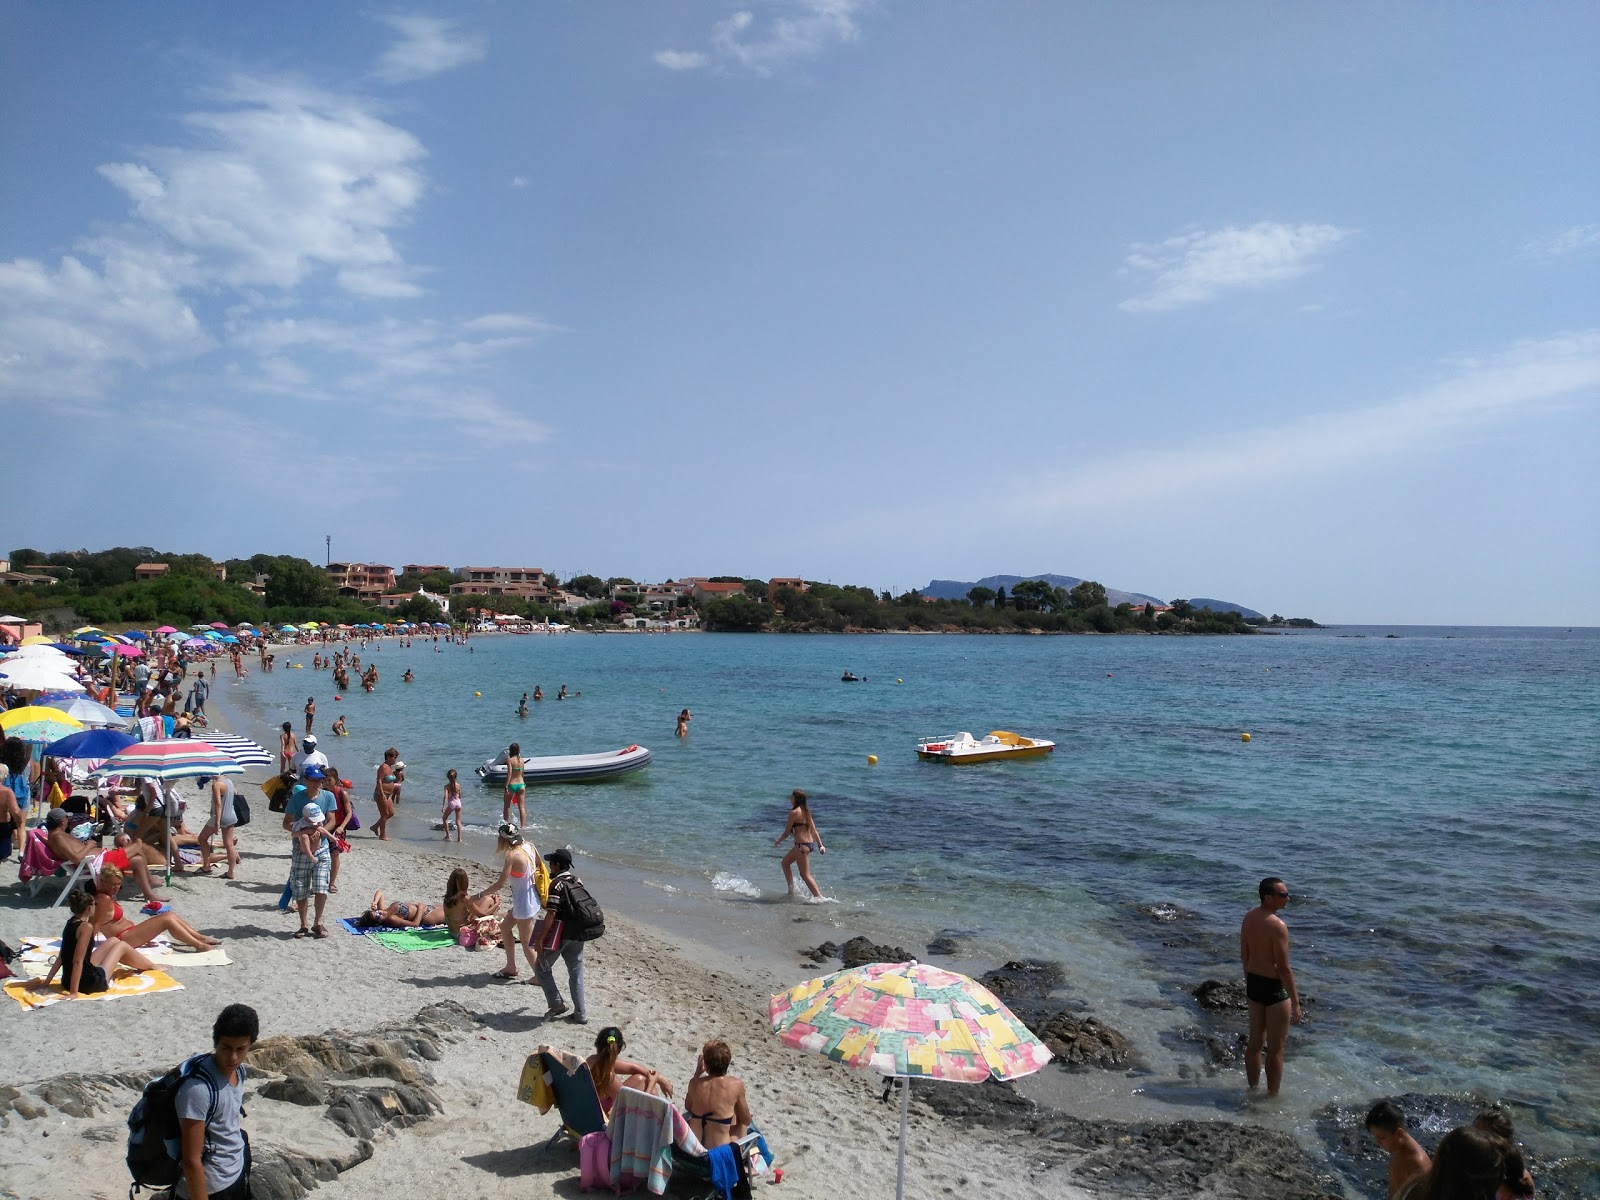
{"x": 84, "y": 830}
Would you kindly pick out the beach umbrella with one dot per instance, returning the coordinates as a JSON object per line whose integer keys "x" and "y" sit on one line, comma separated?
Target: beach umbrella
{"x": 134, "y": 635}
{"x": 95, "y": 639}
{"x": 69, "y": 648}
{"x": 122, "y": 651}
{"x": 166, "y": 629}
{"x": 245, "y": 625}
{"x": 34, "y": 723}
{"x": 31, "y": 676}
{"x": 37, "y": 639}
{"x": 310, "y": 625}
{"x": 83, "y": 629}
{"x": 228, "y": 639}
{"x": 242, "y": 750}
{"x": 288, "y": 629}
{"x": 219, "y": 625}
{"x": 81, "y": 708}
{"x": 171, "y": 758}
{"x": 90, "y": 743}
{"x": 907, "y": 1020}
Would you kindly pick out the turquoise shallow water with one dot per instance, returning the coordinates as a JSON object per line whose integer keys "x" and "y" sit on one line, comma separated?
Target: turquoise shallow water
{"x": 1430, "y": 798}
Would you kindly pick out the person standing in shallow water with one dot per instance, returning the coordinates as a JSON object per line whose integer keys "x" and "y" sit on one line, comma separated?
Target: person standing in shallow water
{"x": 803, "y": 828}
{"x": 1268, "y": 983}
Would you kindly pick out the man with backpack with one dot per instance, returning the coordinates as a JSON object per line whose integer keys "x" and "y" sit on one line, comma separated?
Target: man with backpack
{"x": 571, "y": 919}
{"x": 185, "y": 1129}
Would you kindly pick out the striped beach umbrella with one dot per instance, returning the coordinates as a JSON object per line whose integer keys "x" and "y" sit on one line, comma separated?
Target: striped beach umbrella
{"x": 241, "y": 749}
{"x": 171, "y": 758}
{"x": 907, "y": 1020}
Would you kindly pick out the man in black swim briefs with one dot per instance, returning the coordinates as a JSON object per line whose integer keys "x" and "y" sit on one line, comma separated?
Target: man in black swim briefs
{"x": 1268, "y": 984}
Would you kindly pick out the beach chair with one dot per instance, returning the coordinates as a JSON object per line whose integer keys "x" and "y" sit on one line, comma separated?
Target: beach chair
{"x": 37, "y": 866}
{"x": 576, "y": 1099}
{"x": 693, "y": 1172}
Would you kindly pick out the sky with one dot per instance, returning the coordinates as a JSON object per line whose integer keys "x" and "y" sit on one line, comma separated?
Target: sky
{"x": 1291, "y": 305}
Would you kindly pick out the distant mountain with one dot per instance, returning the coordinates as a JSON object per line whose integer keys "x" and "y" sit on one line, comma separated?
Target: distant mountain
{"x": 952, "y": 589}
{"x": 1225, "y": 606}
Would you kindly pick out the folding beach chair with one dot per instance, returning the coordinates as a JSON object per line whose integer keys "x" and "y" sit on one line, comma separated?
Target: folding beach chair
{"x": 72, "y": 880}
{"x": 695, "y": 1170}
{"x": 576, "y": 1099}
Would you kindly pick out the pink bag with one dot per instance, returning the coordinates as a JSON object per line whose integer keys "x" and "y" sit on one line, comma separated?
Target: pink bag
{"x": 594, "y": 1161}
{"x": 468, "y": 937}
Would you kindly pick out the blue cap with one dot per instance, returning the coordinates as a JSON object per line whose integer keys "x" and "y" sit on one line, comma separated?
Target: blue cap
{"x": 314, "y": 771}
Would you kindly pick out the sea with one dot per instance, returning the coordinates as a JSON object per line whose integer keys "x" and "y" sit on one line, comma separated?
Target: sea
{"x": 1429, "y": 794}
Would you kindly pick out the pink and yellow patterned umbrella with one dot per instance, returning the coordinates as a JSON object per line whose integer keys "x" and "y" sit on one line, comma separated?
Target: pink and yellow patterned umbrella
{"x": 910, "y": 1020}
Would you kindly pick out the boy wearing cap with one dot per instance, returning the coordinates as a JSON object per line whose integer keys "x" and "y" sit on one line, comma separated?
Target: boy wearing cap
{"x": 568, "y": 948}
{"x": 311, "y": 863}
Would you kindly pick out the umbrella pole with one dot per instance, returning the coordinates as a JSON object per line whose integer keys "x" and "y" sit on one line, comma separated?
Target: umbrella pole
{"x": 905, "y": 1110}
{"x": 166, "y": 809}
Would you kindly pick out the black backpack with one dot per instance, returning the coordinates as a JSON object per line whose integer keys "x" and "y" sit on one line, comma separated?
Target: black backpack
{"x": 581, "y": 918}
{"x": 241, "y": 810}
{"x": 155, "y": 1140}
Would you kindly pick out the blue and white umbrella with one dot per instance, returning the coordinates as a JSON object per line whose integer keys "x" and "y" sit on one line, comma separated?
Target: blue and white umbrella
{"x": 241, "y": 749}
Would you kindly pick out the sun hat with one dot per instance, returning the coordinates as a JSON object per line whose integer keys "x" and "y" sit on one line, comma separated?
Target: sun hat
{"x": 510, "y": 833}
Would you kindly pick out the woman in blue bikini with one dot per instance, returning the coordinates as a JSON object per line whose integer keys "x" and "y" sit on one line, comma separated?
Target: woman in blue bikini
{"x": 803, "y": 829}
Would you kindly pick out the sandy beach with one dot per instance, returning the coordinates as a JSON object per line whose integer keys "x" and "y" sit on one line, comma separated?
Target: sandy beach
{"x": 824, "y": 1123}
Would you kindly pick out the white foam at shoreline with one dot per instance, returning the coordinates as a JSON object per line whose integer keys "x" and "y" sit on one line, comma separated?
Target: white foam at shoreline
{"x": 724, "y": 881}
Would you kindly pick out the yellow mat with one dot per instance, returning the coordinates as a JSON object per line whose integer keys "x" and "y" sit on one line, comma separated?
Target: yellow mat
{"x": 31, "y": 993}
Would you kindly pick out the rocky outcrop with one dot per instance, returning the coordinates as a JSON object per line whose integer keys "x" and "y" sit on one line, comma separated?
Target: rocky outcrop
{"x": 1217, "y": 995}
{"x": 1216, "y": 1159}
{"x": 858, "y": 952}
{"x": 1083, "y": 1041}
{"x": 317, "y": 1103}
{"x": 1025, "y": 985}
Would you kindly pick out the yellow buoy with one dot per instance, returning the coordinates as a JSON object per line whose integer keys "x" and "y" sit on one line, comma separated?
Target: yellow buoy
{"x": 480, "y": 694}
{"x": 1244, "y": 737}
{"x": 899, "y": 680}
{"x": 872, "y": 760}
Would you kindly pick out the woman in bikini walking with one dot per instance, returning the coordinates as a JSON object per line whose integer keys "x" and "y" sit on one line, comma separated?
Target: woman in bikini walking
{"x": 516, "y": 785}
{"x": 803, "y": 829}
{"x": 383, "y": 792}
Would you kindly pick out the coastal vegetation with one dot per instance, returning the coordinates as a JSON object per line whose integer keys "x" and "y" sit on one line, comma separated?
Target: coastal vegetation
{"x": 103, "y": 588}
{"x": 1033, "y": 607}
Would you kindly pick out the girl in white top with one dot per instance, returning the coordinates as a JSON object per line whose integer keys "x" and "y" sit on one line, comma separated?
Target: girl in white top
{"x": 521, "y": 871}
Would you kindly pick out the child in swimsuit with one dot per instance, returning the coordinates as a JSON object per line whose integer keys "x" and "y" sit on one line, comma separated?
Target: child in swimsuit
{"x": 452, "y": 804}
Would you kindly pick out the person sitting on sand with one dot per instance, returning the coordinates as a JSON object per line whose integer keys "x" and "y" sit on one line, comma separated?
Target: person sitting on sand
{"x": 611, "y": 1072}
{"x": 134, "y": 857}
{"x": 85, "y": 971}
{"x": 109, "y": 921}
{"x": 803, "y": 828}
{"x": 715, "y": 1103}
{"x": 466, "y": 913}
{"x": 400, "y": 914}
{"x": 1408, "y": 1161}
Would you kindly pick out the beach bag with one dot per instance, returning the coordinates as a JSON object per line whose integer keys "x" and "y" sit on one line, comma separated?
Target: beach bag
{"x": 541, "y": 880}
{"x": 241, "y": 810}
{"x": 354, "y": 823}
{"x": 467, "y": 939}
{"x": 154, "y": 1136}
{"x": 580, "y": 914}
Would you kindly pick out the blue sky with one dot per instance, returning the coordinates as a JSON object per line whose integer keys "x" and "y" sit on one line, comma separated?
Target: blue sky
{"x": 1288, "y": 304}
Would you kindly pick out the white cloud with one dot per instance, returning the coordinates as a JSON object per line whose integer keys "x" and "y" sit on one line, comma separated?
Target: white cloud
{"x": 803, "y": 29}
{"x": 427, "y": 46}
{"x": 1576, "y": 240}
{"x": 682, "y": 60}
{"x": 519, "y": 181}
{"x": 276, "y": 209}
{"x": 1197, "y": 266}
{"x": 1527, "y": 378}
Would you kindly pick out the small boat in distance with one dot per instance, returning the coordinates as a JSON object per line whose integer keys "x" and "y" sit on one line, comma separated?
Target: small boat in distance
{"x": 963, "y": 748}
{"x": 852, "y": 677}
{"x": 569, "y": 768}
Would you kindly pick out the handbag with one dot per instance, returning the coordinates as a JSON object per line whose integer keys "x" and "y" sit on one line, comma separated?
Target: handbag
{"x": 354, "y": 823}
{"x": 241, "y": 810}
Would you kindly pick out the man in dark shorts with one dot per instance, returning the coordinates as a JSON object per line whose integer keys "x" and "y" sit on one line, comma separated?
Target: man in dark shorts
{"x": 1268, "y": 983}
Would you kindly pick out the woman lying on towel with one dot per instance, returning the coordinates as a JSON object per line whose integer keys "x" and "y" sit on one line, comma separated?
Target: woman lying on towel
{"x": 400, "y": 914}
{"x": 108, "y": 919}
{"x": 472, "y": 921}
{"x": 611, "y": 1072}
{"x": 84, "y": 970}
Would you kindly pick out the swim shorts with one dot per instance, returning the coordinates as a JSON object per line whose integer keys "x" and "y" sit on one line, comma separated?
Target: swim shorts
{"x": 1265, "y": 989}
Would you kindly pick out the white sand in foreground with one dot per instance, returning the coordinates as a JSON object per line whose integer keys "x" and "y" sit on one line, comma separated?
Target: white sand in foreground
{"x": 825, "y": 1124}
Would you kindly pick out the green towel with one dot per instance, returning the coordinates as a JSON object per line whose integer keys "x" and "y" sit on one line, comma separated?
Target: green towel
{"x": 403, "y": 941}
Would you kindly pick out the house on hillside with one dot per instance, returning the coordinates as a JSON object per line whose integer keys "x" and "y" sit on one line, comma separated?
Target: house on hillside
{"x": 361, "y": 581}
{"x": 705, "y": 590}
{"x": 794, "y": 583}
{"x": 150, "y": 570}
{"x": 396, "y": 599}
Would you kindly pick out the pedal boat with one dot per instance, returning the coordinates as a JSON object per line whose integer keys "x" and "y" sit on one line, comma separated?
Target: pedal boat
{"x": 960, "y": 749}
{"x": 569, "y": 768}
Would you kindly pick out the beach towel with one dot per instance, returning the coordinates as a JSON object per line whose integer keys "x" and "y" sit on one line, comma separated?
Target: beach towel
{"x": 37, "y": 861}
{"x": 162, "y": 951}
{"x": 724, "y": 1171}
{"x": 405, "y": 941}
{"x": 642, "y": 1131}
{"x": 123, "y": 984}
{"x": 537, "y": 1087}
{"x": 351, "y": 925}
